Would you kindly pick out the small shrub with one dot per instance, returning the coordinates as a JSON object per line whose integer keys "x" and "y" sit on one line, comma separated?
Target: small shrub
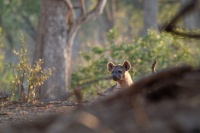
{"x": 27, "y": 78}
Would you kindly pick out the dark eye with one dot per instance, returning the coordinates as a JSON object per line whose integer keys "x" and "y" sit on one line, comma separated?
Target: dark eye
{"x": 119, "y": 71}
{"x": 112, "y": 72}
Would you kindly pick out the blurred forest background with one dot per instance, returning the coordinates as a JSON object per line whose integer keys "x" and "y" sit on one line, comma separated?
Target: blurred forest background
{"x": 126, "y": 30}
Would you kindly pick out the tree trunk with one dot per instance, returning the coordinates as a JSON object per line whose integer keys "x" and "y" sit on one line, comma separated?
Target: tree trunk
{"x": 51, "y": 45}
{"x": 150, "y": 8}
{"x": 58, "y": 25}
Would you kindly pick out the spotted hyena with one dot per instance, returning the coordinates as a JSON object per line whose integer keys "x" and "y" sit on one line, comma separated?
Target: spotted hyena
{"x": 120, "y": 74}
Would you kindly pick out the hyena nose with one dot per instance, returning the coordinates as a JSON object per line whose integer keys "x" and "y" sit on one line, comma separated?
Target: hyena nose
{"x": 115, "y": 77}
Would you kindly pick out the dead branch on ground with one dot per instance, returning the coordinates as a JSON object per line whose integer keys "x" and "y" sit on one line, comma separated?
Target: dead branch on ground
{"x": 77, "y": 90}
{"x": 4, "y": 113}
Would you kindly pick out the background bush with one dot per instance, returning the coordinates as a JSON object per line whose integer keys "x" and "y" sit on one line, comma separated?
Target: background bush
{"x": 140, "y": 52}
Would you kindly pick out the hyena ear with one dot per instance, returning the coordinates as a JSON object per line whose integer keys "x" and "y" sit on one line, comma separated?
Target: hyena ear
{"x": 127, "y": 65}
{"x": 110, "y": 66}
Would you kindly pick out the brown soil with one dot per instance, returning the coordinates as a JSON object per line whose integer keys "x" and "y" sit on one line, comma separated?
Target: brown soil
{"x": 13, "y": 112}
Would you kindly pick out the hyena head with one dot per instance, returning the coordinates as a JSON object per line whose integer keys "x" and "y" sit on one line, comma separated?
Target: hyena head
{"x": 118, "y": 71}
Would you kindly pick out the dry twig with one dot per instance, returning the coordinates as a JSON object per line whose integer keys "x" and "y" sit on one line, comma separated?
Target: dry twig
{"x": 153, "y": 67}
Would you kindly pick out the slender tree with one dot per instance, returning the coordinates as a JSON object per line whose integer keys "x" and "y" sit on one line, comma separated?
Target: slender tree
{"x": 58, "y": 25}
{"x": 150, "y": 9}
{"x": 109, "y": 14}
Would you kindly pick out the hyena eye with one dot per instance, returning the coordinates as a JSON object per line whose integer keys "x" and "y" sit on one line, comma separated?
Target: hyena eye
{"x": 119, "y": 71}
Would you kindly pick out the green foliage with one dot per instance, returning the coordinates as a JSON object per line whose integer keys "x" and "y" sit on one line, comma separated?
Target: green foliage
{"x": 141, "y": 52}
{"x": 27, "y": 77}
{"x": 112, "y": 35}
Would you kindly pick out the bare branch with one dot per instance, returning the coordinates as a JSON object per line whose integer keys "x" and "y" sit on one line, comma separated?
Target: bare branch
{"x": 101, "y": 94}
{"x": 69, "y": 4}
{"x": 83, "y": 9}
{"x": 78, "y": 90}
{"x": 71, "y": 8}
{"x": 100, "y": 6}
{"x": 182, "y": 12}
{"x": 4, "y": 113}
{"x": 187, "y": 8}
{"x": 75, "y": 23}
{"x": 94, "y": 12}
{"x": 183, "y": 34}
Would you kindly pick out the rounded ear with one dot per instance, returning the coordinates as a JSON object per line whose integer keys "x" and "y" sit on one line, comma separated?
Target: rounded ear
{"x": 110, "y": 66}
{"x": 127, "y": 65}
